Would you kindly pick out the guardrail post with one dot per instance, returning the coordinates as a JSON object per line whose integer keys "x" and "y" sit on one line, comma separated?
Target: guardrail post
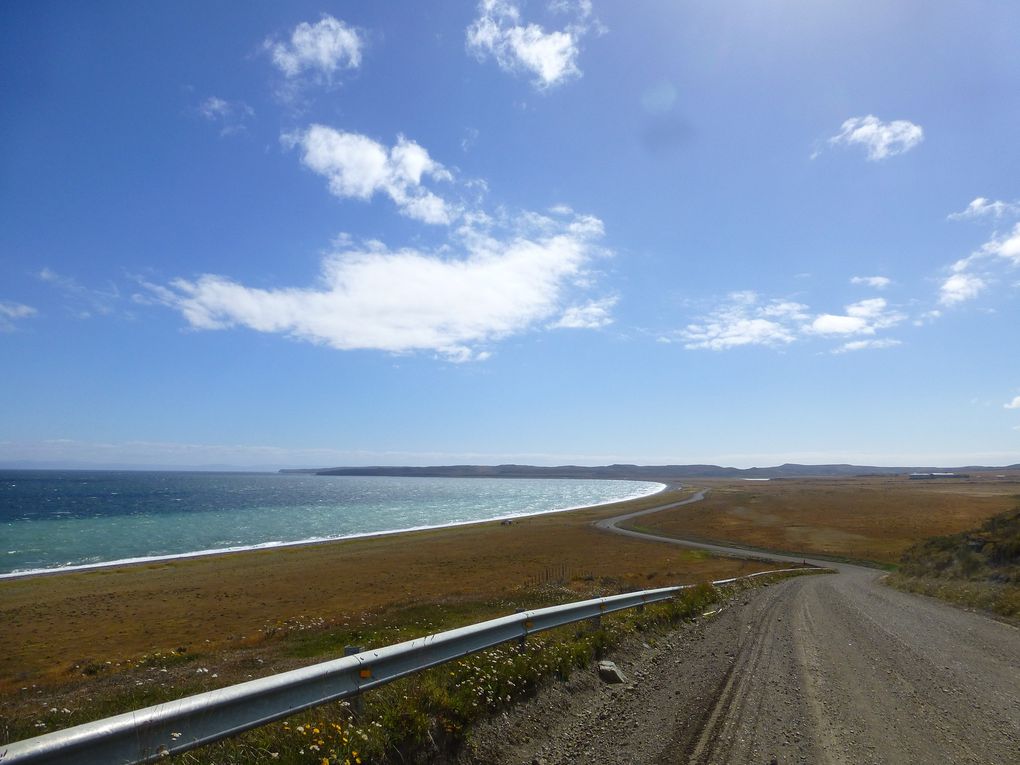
{"x": 357, "y": 702}
{"x": 528, "y": 624}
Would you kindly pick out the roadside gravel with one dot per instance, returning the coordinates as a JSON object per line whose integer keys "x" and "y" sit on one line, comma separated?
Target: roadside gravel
{"x": 674, "y": 679}
{"x": 833, "y": 669}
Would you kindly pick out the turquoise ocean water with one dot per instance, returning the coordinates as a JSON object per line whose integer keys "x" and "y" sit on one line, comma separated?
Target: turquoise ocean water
{"x": 59, "y": 519}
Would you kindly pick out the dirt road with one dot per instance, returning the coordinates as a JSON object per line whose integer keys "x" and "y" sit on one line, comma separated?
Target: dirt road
{"x": 818, "y": 669}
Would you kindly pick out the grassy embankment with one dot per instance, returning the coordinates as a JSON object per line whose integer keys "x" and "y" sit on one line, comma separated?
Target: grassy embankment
{"x": 979, "y": 568}
{"x": 86, "y": 645}
{"x": 869, "y": 520}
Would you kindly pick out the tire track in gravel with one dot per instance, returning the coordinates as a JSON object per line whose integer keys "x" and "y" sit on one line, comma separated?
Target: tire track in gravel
{"x": 841, "y": 669}
{"x": 742, "y": 724}
{"x": 834, "y": 670}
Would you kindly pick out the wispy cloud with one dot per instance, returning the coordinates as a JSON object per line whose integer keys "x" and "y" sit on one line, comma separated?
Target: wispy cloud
{"x": 594, "y": 314}
{"x": 319, "y": 50}
{"x": 1006, "y": 246}
{"x": 864, "y": 317}
{"x": 860, "y": 345}
{"x": 972, "y": 275}
{"x": 985, "y": 208}
{"x": 1014, "y": 404}
{"x": 84, "y": 302}
{"x": 231, "y": 116}
{"x": 470, "y": 139}
{"x": 878, "y": 282}
{"x": 359, "y": 167}
{"x": 549, "y": 56}
{"x": 880, "y": 139}
{"x": 11, "y": 313}
{"x": 503, "y": 281}
{"x": 746, "y": 319}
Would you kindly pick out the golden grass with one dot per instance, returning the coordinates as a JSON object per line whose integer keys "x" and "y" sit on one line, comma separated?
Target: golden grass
{"x": 871, "y": 519}
{"x": 220, "y": 606}
{"x": 219, "y": 603}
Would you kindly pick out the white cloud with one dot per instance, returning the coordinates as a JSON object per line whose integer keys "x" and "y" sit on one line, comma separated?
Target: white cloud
{"x": 833, "y": 324}
{"x": 409, "y": 300}
{"x": 971, "y": 275}
{"x": 960, "y": 287}
{"x": 982, "y": 208}
{"x": 592, "y": 315}
{"x": 880, "y": 139}
{"x": 321, "y": 49}
{"x": 878, "y": 282}
{"x": 13, "y": 312}
{"x": 1007, "y": 246}
{"x": 1014, "y": 404}
{"x": 743, "y": 320}
{"x": 864, "y": 317}
{"x": 230, "y": 115}
{"x": 358, "y": 167}
{"x": 860, "y": 345}
{"x": 551, "y": 57}
{"x": 214, "y": 108}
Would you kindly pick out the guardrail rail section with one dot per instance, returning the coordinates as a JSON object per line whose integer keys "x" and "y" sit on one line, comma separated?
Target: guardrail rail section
{"x": 150, "y": 734}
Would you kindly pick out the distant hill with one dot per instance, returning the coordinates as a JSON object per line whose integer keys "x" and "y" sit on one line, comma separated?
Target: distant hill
{"x": 637, "y": 472}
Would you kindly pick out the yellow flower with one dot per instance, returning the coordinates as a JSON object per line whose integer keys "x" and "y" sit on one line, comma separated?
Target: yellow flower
{"x": 325, "y": 761}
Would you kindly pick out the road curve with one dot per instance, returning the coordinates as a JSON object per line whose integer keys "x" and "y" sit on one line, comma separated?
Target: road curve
{"x": 842, "y": 669}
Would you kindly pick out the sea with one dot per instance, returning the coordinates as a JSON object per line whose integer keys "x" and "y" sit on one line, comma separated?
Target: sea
{"x": 52, "y": 520}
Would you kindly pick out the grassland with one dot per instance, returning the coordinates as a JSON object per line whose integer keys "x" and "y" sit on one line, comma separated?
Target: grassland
{"x": 872, "y": 519}
{"x": 97, "y": 642}
{"x": 85, "y": 645}
{"x": 978, "y": 568}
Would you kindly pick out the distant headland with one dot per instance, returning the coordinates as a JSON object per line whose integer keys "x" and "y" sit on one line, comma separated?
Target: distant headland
{"x": 645, "y": 472}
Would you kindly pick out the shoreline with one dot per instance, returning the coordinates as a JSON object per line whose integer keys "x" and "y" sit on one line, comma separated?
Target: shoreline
{"x": 277, "y": 545}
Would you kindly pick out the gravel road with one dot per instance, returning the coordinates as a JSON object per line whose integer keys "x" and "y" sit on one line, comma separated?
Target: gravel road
{"x": 817, "y": 669}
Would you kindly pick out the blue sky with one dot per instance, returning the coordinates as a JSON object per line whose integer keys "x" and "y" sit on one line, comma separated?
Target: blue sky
{"x": 328, "y": 233}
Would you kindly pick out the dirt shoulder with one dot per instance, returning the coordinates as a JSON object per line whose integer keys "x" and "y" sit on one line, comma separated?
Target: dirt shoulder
{"x": 815, "y": 669}
{"x": 675, "y": 680}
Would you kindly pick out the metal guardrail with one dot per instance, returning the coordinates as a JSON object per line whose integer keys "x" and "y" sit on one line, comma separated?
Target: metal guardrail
{"x": 150, "y": 734}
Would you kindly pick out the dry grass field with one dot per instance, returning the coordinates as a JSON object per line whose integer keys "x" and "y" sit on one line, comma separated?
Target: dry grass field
{"x": 868, "y": 519}
{"x": 217, "y": 604}
{"x": 111, "y": 639}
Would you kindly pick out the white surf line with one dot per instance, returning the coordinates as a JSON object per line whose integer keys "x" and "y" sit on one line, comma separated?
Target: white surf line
{"x": 276, "y": 545}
